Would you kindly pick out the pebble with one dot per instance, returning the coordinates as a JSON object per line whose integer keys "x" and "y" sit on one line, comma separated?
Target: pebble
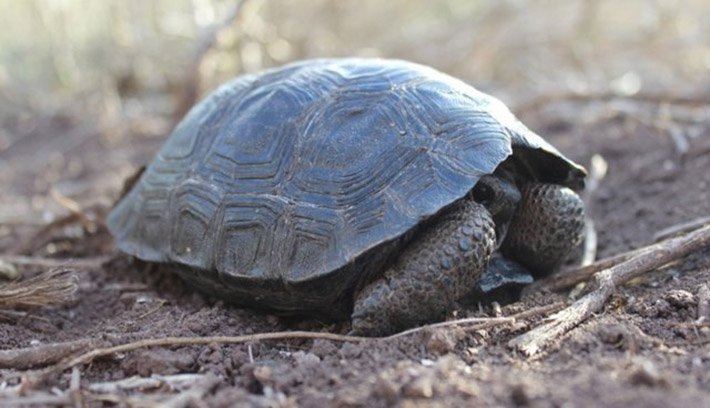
{"x": 519, "y": 395}
{"x": 441, "y": 342}
{"x": 323, "y": 348}
{"x": 645, "y": 372}
{"x": 9, "y": 271}
{"x": 614, "y": 334}
{"x": 262, "y": 374}
{"x": 659, "y": 308}
{"x": 306, "y": 360}
{"x": 420, "y": 387}
{"x": 386, "y": 389}
{"x": 680, "y": 299}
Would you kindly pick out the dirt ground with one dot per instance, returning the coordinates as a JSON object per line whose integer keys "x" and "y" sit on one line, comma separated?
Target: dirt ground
{"x": 644, "y": 349}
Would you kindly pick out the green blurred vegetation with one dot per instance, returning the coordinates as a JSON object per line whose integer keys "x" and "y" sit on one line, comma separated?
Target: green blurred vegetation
{"x": 123, "y": 55}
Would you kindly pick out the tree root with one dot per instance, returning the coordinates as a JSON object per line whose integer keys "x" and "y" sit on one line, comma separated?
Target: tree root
{"x": 45, "y": 354}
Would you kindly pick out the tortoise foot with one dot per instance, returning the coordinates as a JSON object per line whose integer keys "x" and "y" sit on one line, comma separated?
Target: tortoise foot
{"x": 547, "y": 225}
{"x": 437, "y": 268}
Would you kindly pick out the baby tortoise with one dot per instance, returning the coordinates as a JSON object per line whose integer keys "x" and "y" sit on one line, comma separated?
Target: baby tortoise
{"x": 370, "y": 189}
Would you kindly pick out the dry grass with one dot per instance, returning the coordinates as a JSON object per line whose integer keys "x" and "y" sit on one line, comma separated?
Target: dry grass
{"x": 112, "y": 54}
{"x": 52, "y": 288}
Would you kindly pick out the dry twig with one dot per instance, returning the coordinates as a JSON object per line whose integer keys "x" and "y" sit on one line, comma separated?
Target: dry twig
{"x": 606, "y": 282}
{"x": 597, "y": 171}
{"x": 589, "y": 246}
{"x": 568, "y": 279}
{"x": 67, "y": 202}
{"x": 75, "y": 392}
{"x": 41, "y": 356}
{"x": 704, "y": 304}
{"x": 194, "y": 394}
{"x": 681, "y": 228}
{"x": 38, "y": 400}
{"x": 52, "y": 288}
{"x": 174, "y": 382}
{"x": 483, "y": 322}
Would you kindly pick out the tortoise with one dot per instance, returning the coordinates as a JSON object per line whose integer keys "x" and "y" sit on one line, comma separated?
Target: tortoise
{"x": 371, "y": 189}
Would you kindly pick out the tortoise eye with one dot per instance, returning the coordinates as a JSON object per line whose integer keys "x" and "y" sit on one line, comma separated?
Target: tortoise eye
{"x": 483, "y": 193}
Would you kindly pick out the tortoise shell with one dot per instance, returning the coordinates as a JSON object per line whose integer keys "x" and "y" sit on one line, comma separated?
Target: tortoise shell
{"x": 292, "y": 186}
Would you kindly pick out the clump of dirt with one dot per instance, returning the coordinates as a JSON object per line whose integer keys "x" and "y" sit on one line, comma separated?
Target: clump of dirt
{"x": 645, "y": 349}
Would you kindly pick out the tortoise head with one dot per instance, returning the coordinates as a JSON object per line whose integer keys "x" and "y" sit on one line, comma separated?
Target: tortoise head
{"x": 499, "y": 193}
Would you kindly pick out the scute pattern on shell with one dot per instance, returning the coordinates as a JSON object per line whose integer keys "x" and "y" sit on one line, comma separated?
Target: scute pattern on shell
{"x": 291, "y": 174}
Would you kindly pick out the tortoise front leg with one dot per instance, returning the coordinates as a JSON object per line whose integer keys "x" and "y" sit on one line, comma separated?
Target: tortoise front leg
{"x": 437, "y": 268}
{"x": 547, "y": 225}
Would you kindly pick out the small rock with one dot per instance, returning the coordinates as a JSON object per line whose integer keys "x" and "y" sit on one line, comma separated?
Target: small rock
{"x": 239, "y": 358}
{"x": 262, "y": 374}
{"x": 497, "y": 312}
{"x": 611, "y": 334}
{"x": 323, "y": 348}
{"x": 259, "y": 376}
{"x": 274, "y": 395}
{"x": 449, "y": 363}
{"x": 212, "y": 359}
{"x": 441, "y": 342}
{"x": 426, "y": 362}
{"x": 351, "y": 350}
{"x": 681, "y": 299}
{"x": 306, "y": 360}
{"x": 468, "y": 388}
{"x": 616, "y": 335}
{"x": 386, "y": 389}
{"x": 202, "y": 322}
{"x": 659, "y": 308}
{"x": 519, "y": 395}
{"x": 8, "y": 271}
{"x": 350, "y": 398}
{"x": 663, "y": 308}
{"x": 645, "y": 372}
{"x": 420, "y": 387}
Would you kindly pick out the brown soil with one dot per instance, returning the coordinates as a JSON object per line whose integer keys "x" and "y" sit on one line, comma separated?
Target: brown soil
{"x": 644, "y": 349}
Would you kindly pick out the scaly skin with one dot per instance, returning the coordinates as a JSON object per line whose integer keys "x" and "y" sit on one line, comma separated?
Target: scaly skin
{"x": 433, "y": 272}
{"x": 547, "y": 225}
{"x": 450, "y": 256}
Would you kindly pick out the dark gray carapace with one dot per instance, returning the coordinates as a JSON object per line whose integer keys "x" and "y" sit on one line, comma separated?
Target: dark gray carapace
{"x": 291, "y": 188}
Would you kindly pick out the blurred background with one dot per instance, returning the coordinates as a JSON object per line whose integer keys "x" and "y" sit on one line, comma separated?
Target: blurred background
{"x": 117, "y": 57}
{"x": 106, "y": 80}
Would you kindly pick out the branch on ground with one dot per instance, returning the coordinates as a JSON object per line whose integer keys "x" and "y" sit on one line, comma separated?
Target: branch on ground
{"x": 704, "y": 304}
{"x": 568, "y": 279}
{"x": 605, "y": 283}
{"x": 43, "y": 355}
